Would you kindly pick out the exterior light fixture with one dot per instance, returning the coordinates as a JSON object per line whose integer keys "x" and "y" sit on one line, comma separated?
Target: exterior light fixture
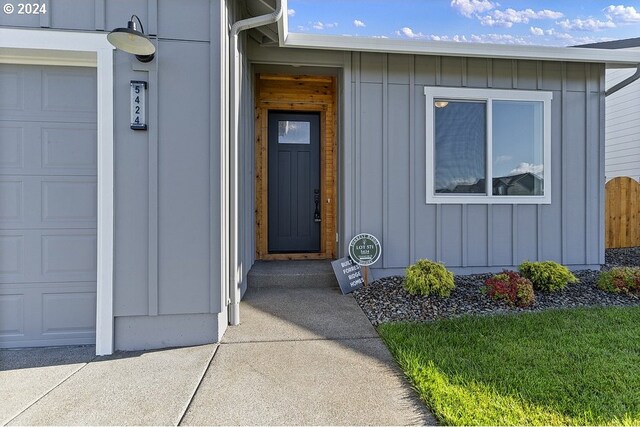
{"x": 441, "y": 104}
{"x": 133, "y": 40}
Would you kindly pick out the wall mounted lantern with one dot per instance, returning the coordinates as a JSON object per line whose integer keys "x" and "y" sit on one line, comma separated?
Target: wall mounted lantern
{"x": 133, "y": 40}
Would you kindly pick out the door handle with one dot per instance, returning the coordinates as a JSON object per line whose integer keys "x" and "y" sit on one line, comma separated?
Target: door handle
{"x": 316, "y": 199}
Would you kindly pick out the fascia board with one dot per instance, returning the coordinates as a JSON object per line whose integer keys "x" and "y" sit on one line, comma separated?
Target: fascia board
{"x": 479, "y": 50}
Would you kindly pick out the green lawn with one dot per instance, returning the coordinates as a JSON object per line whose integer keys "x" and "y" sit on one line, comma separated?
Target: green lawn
{"x": 560, "y": 367}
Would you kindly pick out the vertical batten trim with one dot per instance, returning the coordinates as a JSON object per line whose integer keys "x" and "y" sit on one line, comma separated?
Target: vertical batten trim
{"x": 489, "y": 73}
{"x": 465, "y": 213}
{"x": 563, "y": 140}
{"x": 490, "y": 207}
{"x": 357, "y": 150}
{"x": 412, "y": 160}
{"x": 216, "y": 138}
{"x": 385, "y": 154}
{"x": 100, "y": 14}
{"x": 514, "y": 234}
{"x": 152, "y": 10}
{"x": 465, "y": 72}
{"x": 439, "y": 232}
{"x": 153, "y": 148}
{"x": 489, "y": 235}
{"x": 348, "y": 186}
{"x": 465, "y": 237}
{"x": 601, "y": 171}
{"x": 438, "y": 206}
{"x": 539, "y": 207}
{"x": 514, "y": 208}
{"x": 588, "y": 166}
{"x": 45, "y": 18}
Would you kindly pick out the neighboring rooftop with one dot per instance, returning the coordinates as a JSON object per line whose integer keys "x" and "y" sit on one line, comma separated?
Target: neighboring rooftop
{"x": 614, "y": 44}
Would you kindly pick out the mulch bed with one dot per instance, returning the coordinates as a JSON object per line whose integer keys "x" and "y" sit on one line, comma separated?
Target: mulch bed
{"x": 385, "y": 300}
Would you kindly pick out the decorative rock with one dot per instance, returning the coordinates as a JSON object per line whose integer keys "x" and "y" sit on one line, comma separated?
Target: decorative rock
{"x": 385, "y": 300}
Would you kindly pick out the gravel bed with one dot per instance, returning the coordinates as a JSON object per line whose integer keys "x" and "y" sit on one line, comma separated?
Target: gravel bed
{"x": 385, "y": 300}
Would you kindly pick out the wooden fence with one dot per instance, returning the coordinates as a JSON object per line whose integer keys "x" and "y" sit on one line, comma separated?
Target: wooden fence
{"x": 622, "y": 213}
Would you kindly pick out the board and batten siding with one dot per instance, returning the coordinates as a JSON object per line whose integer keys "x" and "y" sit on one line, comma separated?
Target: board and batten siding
{"x": 388, "y": 143}
{"x": 168, "y": 257}
{"x": 622, "y": 136}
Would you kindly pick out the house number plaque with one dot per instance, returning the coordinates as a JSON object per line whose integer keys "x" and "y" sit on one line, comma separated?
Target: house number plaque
{"x": 138, "y": 105}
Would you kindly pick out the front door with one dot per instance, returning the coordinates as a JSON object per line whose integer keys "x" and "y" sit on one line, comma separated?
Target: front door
{"x": 294, "y": 182}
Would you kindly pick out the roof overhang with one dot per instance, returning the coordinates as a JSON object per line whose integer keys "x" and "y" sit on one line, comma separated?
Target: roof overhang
{"x": 477, "y": 50}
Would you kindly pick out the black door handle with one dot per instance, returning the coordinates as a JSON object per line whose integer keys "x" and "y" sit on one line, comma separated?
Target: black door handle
{"x": 316, "y": 199}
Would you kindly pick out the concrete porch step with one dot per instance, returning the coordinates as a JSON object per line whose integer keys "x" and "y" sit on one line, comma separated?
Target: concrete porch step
{"x": 292, "y": 274}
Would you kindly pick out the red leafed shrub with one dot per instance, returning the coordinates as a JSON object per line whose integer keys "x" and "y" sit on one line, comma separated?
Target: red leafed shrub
{"x": 511, "y": 288}
{"x": 621, "y": 280}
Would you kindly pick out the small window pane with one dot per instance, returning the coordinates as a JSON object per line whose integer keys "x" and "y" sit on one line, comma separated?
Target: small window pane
{"x": 518, "y": 147}
{"x": 460, "y": 147}
{"x": 294, "y": 132}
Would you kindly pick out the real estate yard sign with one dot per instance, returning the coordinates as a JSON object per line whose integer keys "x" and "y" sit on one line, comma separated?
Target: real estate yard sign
{"x": 348, "y": 274}
{"x": 365, "y": 250}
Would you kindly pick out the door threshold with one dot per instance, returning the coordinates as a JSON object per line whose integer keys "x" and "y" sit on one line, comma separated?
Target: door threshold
{"x": 293, "y": 256}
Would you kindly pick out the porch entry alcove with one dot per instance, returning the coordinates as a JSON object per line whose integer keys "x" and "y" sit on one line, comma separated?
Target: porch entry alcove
{"x": 295, "y": 167}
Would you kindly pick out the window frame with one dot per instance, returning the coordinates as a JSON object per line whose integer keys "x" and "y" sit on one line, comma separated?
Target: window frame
{"x": 486, "y": 95}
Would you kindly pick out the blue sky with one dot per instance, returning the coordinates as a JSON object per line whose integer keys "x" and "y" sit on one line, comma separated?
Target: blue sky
{"x": 528, "y": 22}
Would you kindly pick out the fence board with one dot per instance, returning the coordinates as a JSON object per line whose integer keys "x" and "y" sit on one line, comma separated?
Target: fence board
{"x": 622, "y": 213}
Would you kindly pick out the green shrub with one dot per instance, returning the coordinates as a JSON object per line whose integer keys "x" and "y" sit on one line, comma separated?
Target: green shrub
{"x": 511, "y": 288}
{"x": 621, "y": 280}
{"x": 427, "y": 277}
{"x": 547, "y": 275}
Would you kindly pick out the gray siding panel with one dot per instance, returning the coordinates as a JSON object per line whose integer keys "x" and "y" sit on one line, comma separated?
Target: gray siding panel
{"x": 119, "y": 12}
{"x": 397, "y": 230}
{"x": 574, "y": 162}
{"x": 477, "y": 236}
{"x": 370, "y": 182}
{"x": 474, "y": 236}
{"x": 183, "y": 182}
{"x": 131, "y": 200}
{"x": 451, "y": 225}
{"x": 185, "y": 21}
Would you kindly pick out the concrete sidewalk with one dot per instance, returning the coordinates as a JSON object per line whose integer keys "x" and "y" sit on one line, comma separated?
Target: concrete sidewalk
{"x": 300, "y": 356}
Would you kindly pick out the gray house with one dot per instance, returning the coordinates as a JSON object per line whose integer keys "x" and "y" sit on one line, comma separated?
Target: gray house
{"x": 262, "y": 144}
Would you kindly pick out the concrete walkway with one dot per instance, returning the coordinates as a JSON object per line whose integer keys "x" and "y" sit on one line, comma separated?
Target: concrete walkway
{"x": 300, "y": 357}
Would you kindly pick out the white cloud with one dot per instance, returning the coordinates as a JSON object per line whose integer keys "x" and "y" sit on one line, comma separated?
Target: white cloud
{"x": 291, "y": 12}
{"x": 527, "y": 167}
{"x": 380, "y": 37}
{"x": 622, "y": 13}
{"x": 499, "y": 39}
{"x": 508, "y": 17}
{"x": 536, "y": 31}
{"x": 469, "y": 8}
{"x": 323, "y": 25}
{"x": 358, "y": 23}
{"x": 589, "y": 24}
{"x": 408, "y": 33}
{"x": 503, "y": 159}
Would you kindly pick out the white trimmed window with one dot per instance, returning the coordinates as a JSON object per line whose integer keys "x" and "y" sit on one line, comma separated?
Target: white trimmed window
{"x": 488, "y": 146}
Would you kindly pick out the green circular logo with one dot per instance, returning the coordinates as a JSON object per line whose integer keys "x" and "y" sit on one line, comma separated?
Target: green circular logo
{"x": 365, "y": 249}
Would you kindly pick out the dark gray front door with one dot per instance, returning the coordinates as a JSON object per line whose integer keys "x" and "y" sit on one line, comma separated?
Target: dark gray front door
{"x": 294, "y": 182}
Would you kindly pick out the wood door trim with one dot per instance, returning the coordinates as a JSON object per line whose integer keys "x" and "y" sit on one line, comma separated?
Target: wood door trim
{"x": 306, "y": 94}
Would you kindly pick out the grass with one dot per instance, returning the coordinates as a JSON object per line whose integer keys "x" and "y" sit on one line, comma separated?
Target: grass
{"x": 559, "y": 367}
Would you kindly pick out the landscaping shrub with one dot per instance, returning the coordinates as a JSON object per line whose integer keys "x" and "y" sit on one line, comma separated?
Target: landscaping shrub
{"x": 511, "y": 288}
{"x": 427, "y": 277}
{"x": 547, "y": 275}
{"x": 621, "y": 280}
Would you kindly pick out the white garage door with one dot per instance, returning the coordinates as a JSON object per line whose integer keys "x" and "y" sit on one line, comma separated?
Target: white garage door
{"x": 47, "y": 205}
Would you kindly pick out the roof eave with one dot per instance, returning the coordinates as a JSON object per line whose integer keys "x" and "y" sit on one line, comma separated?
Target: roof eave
{"x": 479, "y": 50}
